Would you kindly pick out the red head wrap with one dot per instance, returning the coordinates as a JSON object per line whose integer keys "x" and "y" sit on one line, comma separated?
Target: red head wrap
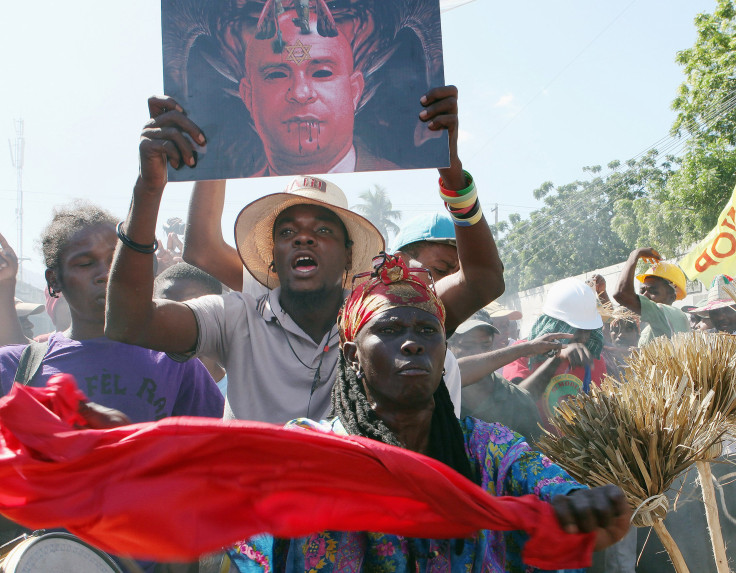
{"x": 391, "y": 284}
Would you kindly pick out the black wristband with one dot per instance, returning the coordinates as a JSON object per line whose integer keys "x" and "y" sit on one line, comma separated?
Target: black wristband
{"x": 144, "y": 249}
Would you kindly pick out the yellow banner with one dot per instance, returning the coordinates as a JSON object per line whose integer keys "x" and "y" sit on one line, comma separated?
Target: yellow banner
{"x": 714, "y": 255}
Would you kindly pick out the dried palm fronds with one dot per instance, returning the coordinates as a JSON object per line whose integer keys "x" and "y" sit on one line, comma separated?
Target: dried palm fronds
{"x": 707, "y": 359}
{"x": 609, "y": 312}
{"x": 640, "y": 433}
{"x": 673, "y": 404}
{"x": 709, "y": 362}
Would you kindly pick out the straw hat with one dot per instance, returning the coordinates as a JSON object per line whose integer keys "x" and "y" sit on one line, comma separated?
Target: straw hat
{"x": 254, "y": 226}
{"x": 27, "y": 308}
{"x": 495, "y": 310}
{"x": 718, "y": 295}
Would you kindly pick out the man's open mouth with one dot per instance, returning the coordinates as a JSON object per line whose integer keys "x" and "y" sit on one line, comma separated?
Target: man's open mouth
{"x": 304, "y": 264}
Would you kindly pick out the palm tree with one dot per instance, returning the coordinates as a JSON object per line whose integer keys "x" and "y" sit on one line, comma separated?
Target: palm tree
{"x": 376, "y": 207}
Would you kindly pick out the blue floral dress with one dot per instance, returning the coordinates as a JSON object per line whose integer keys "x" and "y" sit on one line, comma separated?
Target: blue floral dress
{"x": 505, "y": 464}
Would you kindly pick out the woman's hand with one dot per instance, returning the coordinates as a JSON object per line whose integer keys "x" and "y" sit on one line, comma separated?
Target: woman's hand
{"x": 600, "y": 509}
{"x": 100, "y": 417}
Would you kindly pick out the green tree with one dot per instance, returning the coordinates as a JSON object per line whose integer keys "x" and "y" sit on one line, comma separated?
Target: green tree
{"x": 667, "y": 202}
{"x": 573, "y": 232}
{"x": 688, "y": 207}
{"x": 377, "y": 208}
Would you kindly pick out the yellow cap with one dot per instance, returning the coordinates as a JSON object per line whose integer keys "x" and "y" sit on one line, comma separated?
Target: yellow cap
{"x": 669, "y": 272}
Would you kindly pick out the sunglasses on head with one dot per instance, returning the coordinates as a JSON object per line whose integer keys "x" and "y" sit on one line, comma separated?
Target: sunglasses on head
{"x": 380, "y": 260}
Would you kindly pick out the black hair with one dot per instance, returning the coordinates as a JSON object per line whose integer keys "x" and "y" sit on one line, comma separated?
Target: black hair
{"x": 446, "y": 442}
{"x": 187, "y": 272}
{"x": 414, "y": 250}
{"x": 67, "y": 221}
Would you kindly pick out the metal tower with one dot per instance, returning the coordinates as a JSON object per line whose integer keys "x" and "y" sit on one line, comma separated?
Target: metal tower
{"x": 16, "y": 157}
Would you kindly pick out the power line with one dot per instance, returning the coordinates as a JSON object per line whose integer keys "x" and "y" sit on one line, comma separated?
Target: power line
{"x": 672, "y": 145}
{"x": 553, "y": 80}
{"x": 17, "y": 150}
{"x": 541, "y": 232}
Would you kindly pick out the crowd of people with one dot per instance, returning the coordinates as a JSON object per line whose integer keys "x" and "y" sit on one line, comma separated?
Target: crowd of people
{"x": 308, "y": 319}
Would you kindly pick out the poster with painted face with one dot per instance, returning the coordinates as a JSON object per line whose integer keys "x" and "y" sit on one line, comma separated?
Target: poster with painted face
{"x": 287, "y": 87}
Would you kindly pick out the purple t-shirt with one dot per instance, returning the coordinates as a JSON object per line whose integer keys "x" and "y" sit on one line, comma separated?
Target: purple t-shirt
{"x": 144, "y": 384}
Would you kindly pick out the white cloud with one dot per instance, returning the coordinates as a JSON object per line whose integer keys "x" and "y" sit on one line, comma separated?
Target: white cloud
{"x": 505, "y": 101}
{"x": 464, "y": 136}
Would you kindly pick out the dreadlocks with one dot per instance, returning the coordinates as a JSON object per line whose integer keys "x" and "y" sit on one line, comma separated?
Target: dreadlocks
{"x": 446, "y": 444}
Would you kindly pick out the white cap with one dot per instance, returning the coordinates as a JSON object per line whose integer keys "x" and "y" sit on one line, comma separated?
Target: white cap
{"x": 573, "y": 302}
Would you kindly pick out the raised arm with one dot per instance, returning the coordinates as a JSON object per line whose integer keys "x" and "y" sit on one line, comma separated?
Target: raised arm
{"x": 11, "y": 331}
{"x": 475, "y": 368}
{"x": 625, "y": 294}
{"x": 598, "y": 284}
{"x": 480, "y": 277}
{"x": 204, "y": 245}
{"x": 132, "y": 315}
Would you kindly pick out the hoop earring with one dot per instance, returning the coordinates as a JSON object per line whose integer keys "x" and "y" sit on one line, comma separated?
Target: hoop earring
{"x": 52, "y": 292}
{"x": 359, "y": 375}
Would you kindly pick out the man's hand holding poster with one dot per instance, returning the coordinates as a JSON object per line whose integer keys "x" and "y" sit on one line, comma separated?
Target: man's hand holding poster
{"x": 284, "y": 87}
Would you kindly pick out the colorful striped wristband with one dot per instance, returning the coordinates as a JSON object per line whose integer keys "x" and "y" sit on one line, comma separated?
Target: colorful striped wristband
{"x": 451, "y": 193}
{"x": 461, "y": 202}
{"x": 470, "y": 221}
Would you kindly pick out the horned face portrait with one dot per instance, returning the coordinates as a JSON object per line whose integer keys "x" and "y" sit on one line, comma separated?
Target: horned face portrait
{"x": 304, "y": 86}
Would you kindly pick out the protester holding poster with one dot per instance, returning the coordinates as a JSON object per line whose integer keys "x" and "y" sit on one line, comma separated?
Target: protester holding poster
{"x": 279, "y": 349}
{"x": 661, "y": 285}
{"x": 284, "y": 87}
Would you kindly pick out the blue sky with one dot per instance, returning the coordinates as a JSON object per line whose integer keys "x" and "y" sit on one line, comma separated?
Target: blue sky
{"x": 545, "y": 89}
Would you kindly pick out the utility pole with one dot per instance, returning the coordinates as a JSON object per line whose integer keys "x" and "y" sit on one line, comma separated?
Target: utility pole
{"x": 16, "y": 157}
{"x": 495, "y": 211}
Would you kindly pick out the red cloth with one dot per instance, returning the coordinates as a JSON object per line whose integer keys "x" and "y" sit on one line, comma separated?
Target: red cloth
{"x": 181, "y": 487}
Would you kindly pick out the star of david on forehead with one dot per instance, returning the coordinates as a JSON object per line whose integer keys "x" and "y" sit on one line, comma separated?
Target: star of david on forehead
{"x": 298, "y": 53}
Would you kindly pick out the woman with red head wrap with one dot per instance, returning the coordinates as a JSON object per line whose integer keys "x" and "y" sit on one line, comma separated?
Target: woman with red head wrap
{"x": 390, "y": 388}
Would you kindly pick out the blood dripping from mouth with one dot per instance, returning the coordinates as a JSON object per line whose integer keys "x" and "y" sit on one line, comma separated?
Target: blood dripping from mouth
{"x": 309, "y": 130}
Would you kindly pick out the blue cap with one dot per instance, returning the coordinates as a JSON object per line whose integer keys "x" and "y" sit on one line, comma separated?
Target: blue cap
{"x": 433, "y": 227}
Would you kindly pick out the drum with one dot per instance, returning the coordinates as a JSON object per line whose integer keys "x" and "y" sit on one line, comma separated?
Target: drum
{"x": 56, "y": 553}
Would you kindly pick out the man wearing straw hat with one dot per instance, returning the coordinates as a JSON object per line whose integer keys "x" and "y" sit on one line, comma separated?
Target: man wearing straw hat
{"x": 719, "y": 307}
{"x": 279, "y": 350}
{"x": 505, "y": 320}
{"x": 662, "y": 284}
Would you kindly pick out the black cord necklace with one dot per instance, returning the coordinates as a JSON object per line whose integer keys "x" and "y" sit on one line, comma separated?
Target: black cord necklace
{"x": 317, "y": 380}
